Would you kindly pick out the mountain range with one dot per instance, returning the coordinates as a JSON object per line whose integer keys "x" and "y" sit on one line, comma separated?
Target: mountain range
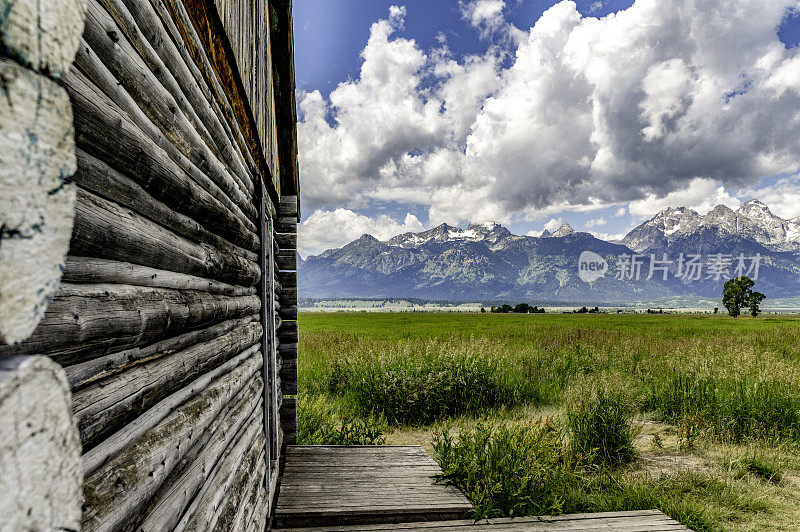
{"x": 678, "y": 252}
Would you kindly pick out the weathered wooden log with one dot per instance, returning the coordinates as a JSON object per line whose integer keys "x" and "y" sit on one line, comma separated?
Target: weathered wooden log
{"x": 287, "y": 279}
{"x": 243, "y": 491}
{"x": 251, "y": 507}
{"x": 37, "y": 155}
{"x": 288, "y": 332}
{"x": 105, "y": 406}
{"x": 168, "y": 504}
{"x": 175, "y": 126}
{"x": 289, "y": 376}
{"x": 93, "y": 270}
{"x": 288, "y": 313}
{"x": 40, "y": 467}
{"x": 288, "y": 296}
{"x": 99, "y": 456}
{"x": 215, "y": 54}
{"x": 187, "y": 85}
{"x": 285, "y": 224}
{"x": 92, "y": 320}
{"x": 286, "y": 259}
{"x": 106, "y": 132}
{"x": 103, "y": 229}
{"x": 203, "y": 512}
{"x": 119, "y": 489}
{"x": 42, "y": 35}
{"x": 288, "y": 206}
{"x": 99, "y": 178}
{"x": 286, "y": 240}
{"x": 289, "y": 420}
{"x": 96, "y": 369}
{"x": 123, "y": 60}
{"x": 171, "y": 15}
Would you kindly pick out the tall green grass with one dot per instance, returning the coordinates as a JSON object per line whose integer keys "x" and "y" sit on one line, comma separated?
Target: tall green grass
{"x": 319, "y": 422}
{"x": 737, "y": 379}
{"x": 427, "y": 381}
{"x": 732, "y": 408}
{"x": 599, "y": 426}
{"x": 515, "y": 470}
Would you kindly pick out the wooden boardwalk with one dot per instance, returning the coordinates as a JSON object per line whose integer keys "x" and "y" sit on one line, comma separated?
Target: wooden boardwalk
{"x": 636, "y": 521}
{"x": 361, "y": 488}
{"x": 325, "y": 485}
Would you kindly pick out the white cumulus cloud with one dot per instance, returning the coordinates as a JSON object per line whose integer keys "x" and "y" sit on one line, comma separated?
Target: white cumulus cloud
{"x": 669, "y": 102}
{"x": 332, "y": 229}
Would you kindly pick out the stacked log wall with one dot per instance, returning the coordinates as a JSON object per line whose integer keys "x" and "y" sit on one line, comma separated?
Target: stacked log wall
{"x": 174, "y": 316}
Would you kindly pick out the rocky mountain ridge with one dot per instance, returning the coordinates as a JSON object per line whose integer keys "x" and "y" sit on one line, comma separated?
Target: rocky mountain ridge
{"x": 486, "y": 260}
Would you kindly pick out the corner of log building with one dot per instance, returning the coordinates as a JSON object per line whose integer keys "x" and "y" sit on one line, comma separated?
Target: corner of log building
{"x": 149, "y": 203}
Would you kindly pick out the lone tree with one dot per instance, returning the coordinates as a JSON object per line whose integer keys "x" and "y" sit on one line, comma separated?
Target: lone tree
{"x": 738, "y": 294}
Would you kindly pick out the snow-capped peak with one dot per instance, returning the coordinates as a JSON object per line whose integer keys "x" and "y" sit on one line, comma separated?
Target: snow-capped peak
{"x": 485, "y": 231}
{"x": 564, "y": 230}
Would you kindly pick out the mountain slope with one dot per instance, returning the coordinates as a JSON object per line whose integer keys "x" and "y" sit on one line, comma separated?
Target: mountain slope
{"x": 486, "y": 261}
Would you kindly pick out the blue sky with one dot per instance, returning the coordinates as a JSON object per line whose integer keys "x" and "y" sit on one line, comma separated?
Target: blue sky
{"x": 345, "y": 195}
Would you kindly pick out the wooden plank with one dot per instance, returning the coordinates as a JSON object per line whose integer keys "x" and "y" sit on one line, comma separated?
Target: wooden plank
{"x": 632, "y": 521}
{"x": 363, "y": 484}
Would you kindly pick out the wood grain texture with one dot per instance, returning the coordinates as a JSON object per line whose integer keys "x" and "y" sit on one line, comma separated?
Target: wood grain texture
{"x": 123, "y": 486}
{"x": 106, "y": 230}
{"x": 96, "y": 369}
{"x": 117, "y": 50}
{"x": 42, "y": 35}
{"x": 630, "y": 521}
{"x": 37, "y": 157}
{"x": 89, "y": 321}
{"x": 112, "y": 402}
{"x": 188, "y": 478}
{"x": 99, "y": 178}
{"x": 106, "y": 132}
{"x": 203, "y": 17}
{"x": 324, "y": 485}
{"x": 95, "y": 270}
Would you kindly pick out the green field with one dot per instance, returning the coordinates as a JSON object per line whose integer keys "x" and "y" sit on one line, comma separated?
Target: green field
{"x": 536, "y": 414}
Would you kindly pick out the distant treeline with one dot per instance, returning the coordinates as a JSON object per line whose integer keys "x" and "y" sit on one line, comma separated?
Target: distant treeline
{"x": 521, "y": 308}
{"x": 307, "y": 302}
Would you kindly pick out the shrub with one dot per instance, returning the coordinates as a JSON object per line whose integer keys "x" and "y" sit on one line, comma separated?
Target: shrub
{"x": 319, "y": 423}
{"x": 421, "y": 387}
{"x": 731, "y": 407}
{"x": 504, "y": 469}
{"x": 599, "y": 427}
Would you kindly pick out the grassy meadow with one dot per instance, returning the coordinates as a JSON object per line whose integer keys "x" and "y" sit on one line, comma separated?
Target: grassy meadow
{"x": 545, "y": 414}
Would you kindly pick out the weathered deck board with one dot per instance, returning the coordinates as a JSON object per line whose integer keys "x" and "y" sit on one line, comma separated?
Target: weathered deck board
{"x": 635, "y": 521}
{"x": 324, "y": 486}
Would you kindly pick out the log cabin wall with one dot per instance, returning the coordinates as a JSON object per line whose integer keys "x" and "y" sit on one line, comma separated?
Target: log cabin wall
{"x": 175, "y": 321}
